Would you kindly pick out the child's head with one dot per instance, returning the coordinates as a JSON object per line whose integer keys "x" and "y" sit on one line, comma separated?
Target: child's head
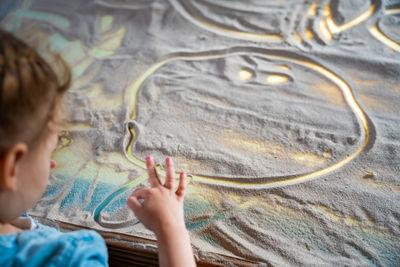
{"x": 30, "y": 96}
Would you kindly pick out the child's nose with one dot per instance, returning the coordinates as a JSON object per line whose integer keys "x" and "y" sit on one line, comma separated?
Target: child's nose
{"x": 53, "y": 163}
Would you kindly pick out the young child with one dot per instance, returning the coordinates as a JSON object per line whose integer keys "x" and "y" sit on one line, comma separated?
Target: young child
{"x": 30, "y": 108}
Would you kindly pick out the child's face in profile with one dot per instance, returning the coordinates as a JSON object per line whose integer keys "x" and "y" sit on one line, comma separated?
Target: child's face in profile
{"x": 36, "y": 167}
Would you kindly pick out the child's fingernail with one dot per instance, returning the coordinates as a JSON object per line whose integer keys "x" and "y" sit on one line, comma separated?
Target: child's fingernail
{"x": 53, "y": 163}
{"x": 149, "y": 157}
{"x": 169, "y": 160}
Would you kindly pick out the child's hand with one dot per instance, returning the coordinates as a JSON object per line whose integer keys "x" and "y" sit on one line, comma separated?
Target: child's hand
{"x": 162, "y": 208}
{"x": 162, "y": 212}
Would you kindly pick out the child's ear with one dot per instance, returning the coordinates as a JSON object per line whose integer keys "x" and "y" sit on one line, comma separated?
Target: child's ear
{"x": 10, "y": 164}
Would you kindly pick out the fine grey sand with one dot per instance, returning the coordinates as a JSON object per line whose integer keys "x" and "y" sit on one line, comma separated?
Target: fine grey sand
{"x": 285, "y": 113}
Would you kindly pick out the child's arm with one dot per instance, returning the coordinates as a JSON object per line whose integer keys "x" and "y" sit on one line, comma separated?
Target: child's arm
{"x": 162, "y": 212}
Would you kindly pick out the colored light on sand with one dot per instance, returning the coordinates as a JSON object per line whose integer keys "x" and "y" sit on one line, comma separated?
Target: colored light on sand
{"x": 297, "y": 37}
{"x": 309, "y": 34}
{"x": 57, "y": 20}
{"x": 276, "y": 79}
{"x": 333, "y": 28}
{"x": 384, "y": 39}
{"x": 106, "y": 22}
{"x": 308, "y": 159}
{"x": 100, "y": 100}
{"x": 245, "y": 75}
{"x": 392, "y": 11}
{"x": 312, "y": 11}
{"x": 283, "y": 67}
{"x": 379, "y": 35}
{"x": 323, "y": 27}
{"x": 248, "y": 146}
{"x": 109, "y": 44}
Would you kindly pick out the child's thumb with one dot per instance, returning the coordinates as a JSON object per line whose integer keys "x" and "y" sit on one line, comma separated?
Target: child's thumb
{"x": 134, "y": 204}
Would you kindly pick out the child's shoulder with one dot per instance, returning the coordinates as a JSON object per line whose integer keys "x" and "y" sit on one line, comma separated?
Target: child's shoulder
{"x": 47, "y": 246}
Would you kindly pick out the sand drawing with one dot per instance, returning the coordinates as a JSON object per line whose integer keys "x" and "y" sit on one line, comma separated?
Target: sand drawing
{"x": 238, "y": 182}
{"x": 263, "y": 182}
{"x": 384, "y": 34}
{"x": 272, "y": 21}
{"x": 284, "y": 113}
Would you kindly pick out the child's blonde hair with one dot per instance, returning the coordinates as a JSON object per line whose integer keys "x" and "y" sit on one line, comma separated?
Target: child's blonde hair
{"x": 30, "y": 90}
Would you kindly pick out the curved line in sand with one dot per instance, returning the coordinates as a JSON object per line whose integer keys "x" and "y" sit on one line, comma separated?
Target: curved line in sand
{"x": 222, "y": 30}
{"x": 262, "y": 182}
{"x": 328, "y": 27}
{"x": 327, "y": 24}
{"x": 383, "y": 38}
{"x": 333, "y": 28}
{"x": 110, "y": 197}
{"x": 392, "y": 11}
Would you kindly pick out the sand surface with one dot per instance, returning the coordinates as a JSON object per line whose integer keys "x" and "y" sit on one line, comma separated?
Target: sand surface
{"x": 285, "y": 113}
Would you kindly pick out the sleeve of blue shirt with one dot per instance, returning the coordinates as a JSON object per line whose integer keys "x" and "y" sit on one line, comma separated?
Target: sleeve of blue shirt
{"x": 47, "y": 246}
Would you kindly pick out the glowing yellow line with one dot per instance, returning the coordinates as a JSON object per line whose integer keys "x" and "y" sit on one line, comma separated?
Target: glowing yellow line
{"x": 312, "y": 11}
{"x": 276, "y": 79}
{"x": 323, "y": 27}
{"x": 309, "y": 34}
{"x": 298, "y": 37}
{"x": 129, "y": 150}
{"x": 347, "y": 93}
{"x": 245, "y": 75}
{"x": 392, "y": 11}
{"x": 336, "y": 29}
{"x": 380, "y": 36}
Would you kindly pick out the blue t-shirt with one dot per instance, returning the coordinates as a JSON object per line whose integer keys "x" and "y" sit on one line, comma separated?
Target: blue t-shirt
{"x": 46, "y": 246}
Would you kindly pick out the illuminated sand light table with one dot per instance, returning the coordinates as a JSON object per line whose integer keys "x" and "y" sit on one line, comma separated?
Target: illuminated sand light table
{"x": 284, "y": 113}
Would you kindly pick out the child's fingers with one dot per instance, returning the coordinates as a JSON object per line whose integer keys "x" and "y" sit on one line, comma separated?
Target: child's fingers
{"x": 170, "y": 180}
{"x": 134, "y": 204}
{"x": 133, "y": 200}
{"x": 182, "y": 185}
{"x": 140, "y": 193}
{"x": 151, "y": 171}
